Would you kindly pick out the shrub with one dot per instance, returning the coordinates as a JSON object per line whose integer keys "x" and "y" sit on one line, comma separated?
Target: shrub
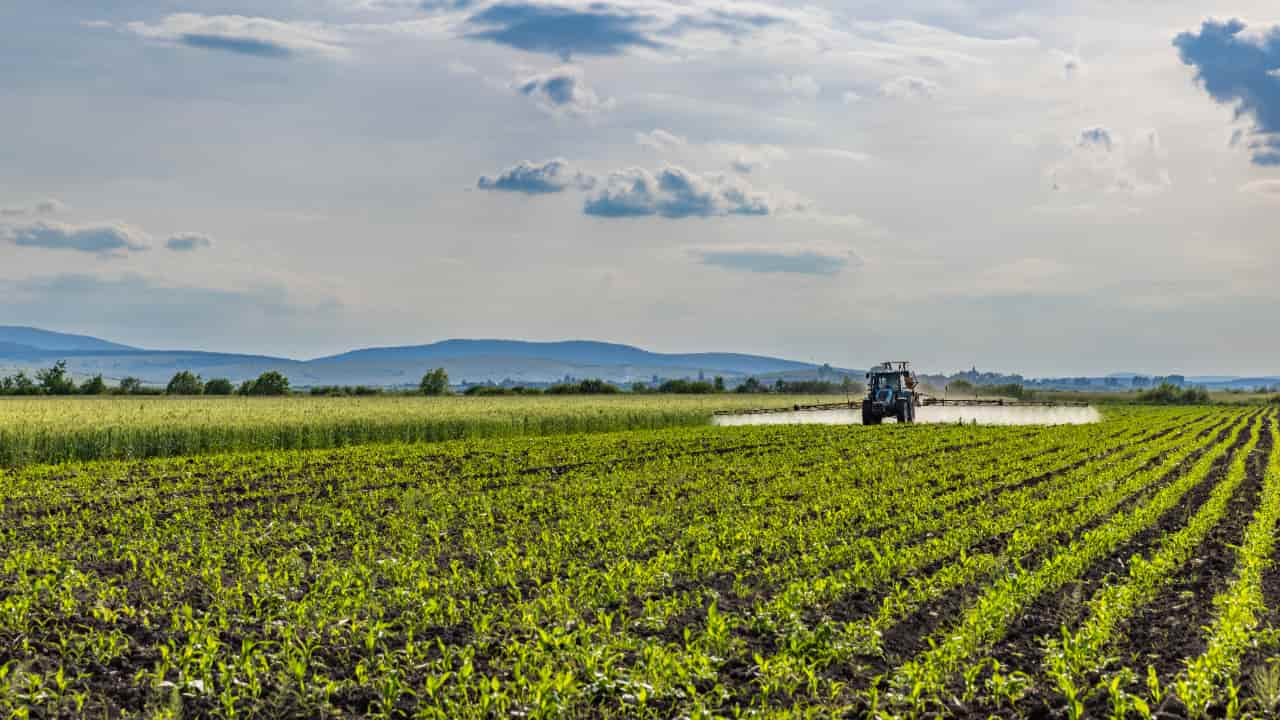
{"x": 184, "y": 383}
{"x": 129, "y": 386}
{"x": 751, "y": 385}
{"x": 435, "y": 382}
{"x": 586, "y": 387}
{"x": 1169, "y": 394}
{"x": 268, "y": 383}
{"x": 219, "y": 386}
{"x": 55, "y": 380}
{"x": 687, "y": 387}
{"x": 94, "y": 386}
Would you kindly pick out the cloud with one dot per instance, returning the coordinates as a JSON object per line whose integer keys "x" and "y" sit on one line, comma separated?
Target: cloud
{"x": 562, "y": 91}
{"x": 1098, "y": 137}
{"x": 660, "y": 140}
{"x": 552, "y": 176}
{"x": 675, "y": 193}
{"x": 1099, "y": 159}
{"x": 48, "y": 206}
{"x": 798, "y": 86}
{"x": 801, "y": 261}
{"x": 746, "y": 159}
{"x": 1240, "y": 71}
{"x": 100, "y": 238}
{"x": 1269, "y": 189}
{"x": 188, "y": 242}
{"x": 909, "y": 87}
{"x": 253, "y": 36}
{"x": 563, "y": 31}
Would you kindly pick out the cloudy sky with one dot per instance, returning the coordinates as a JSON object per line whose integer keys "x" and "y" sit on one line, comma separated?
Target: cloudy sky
{"x": 1049, "y": 187}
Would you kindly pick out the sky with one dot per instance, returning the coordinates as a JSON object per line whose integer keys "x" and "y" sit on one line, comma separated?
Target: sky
{"x": 1045, "y": 187}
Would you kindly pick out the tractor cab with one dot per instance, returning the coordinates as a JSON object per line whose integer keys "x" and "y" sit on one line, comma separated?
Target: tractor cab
{"x": 891, "y": 392}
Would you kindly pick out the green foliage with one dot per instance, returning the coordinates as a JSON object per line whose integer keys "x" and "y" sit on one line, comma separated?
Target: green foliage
{"x": 770, "y": 572}
{"x": 19, "y": 384}
{"x": 129, "y": 386}
{"x": 435, "y": 383}
{"x": 495, "y": 391}
{"x": 56, "y": 380}
{"x": 219, "y": 386}
{"x": 94, "y": 386}
{"x": 1168, "y": 394}
{"x": 185, "y": 383}
{"x": 267, "y": 384}
{"x": 343, "y": 391}
{"x": 751, "y": 385}
{"x": 687, "y": 387}
{"x": 585, "y": 387}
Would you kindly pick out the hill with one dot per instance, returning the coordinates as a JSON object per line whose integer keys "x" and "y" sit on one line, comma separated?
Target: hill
{"x": 465, "y": 360}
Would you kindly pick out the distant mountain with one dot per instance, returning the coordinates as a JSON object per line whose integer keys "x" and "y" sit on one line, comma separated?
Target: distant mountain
{"x": 465, "y": 360}
{"x": 45, "y": 340}
{"x": 570, "y": 352}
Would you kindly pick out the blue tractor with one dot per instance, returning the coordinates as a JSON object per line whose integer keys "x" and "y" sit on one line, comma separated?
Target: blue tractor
{"x": 891, "y": 392}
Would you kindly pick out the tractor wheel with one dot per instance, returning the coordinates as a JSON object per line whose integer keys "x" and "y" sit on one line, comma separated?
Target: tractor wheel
{"x": 903, "y": 411}
{"x": 869, "y": 416}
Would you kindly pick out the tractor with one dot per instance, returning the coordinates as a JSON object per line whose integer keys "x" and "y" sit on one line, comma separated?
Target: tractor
{"x": 891, "y": 392}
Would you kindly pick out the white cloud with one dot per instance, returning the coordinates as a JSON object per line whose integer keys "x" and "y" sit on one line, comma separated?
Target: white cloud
{"x": 676, "y": 193}
{"x": 1100, "y": 160}
{"x": 799, "y": 86}
{"x": 1269, "y": 189}
{"x": 660, "y": 140}
{"x": 47, "y": 206}
{"x": 909, "y": 87}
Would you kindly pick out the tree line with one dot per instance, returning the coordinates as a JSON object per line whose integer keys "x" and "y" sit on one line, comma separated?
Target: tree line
{"x": 57, "y": 381}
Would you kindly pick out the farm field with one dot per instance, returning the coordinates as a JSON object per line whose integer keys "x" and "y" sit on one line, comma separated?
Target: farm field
{"x": 96, "y": 428}
{"x": 1117, "y": 569}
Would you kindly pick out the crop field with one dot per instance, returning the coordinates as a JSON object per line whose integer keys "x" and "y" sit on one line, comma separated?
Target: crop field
{"x": 95, "y": 428}
{"x": 1117, "y": 569}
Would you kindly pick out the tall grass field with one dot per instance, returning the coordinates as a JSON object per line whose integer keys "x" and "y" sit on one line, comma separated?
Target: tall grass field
{"x": 47, "y": 430}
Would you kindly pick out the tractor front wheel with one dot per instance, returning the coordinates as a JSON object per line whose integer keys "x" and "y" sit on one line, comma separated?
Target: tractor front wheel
{"x": 904, "y": 411}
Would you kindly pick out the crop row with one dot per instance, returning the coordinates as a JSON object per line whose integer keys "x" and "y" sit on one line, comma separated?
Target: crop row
{"x": 697, "y": 572}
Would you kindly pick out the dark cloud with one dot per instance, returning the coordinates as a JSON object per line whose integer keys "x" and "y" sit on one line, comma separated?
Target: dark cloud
{"x": 102, "y": 238}
{"x": 1242, "y": 72}
{"x": 562, "y": 90}
{"x": 806, "y": 262}
{"x": 188, "y": 242}
{"x": 1098, "y": 137}
{"x": 552, "y": 176}
{"x": 240, "y": 45}
{"x": 674, "y": 193}
{"x": 563, "y": 31}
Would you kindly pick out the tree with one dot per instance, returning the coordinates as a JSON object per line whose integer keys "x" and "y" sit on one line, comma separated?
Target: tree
{"x": 962, "y": 386}
{"x": 130, "y": 386}
{"x": 718, "y": 383}
{"x": 752, "y": 385}
{"x": 55, "y": 380}
{"x": 94, "y": 386}
{"x": 219, "y": 386}
{"x": 184, "y": 383}
{"x": 268, "y": 383}
{"x": 435, "y": 382}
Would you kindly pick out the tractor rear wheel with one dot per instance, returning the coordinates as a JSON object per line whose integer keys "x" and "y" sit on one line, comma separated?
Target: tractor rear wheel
{"x": 904, "y": 411}
{"x": 869, "y": 416}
